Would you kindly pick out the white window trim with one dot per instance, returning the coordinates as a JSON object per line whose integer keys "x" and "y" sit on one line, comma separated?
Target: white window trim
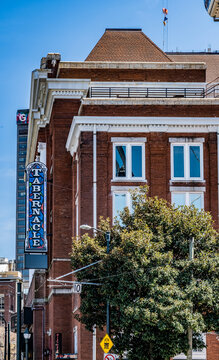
{"x": 187, "y": 196}
{"x": 186, "y": 147}
{"x": 128, "y": 145}
{"x": 128, "y": 201}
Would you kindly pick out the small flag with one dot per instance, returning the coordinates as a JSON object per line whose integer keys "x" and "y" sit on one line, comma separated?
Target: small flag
{"x": 165, "y": 18}
{"x": 165, "y": 11}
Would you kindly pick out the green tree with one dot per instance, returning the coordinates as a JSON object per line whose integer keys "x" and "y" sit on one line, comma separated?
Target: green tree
{"x": 155, "y": 292}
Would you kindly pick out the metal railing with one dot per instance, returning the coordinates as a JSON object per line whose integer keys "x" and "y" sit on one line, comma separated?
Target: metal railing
{"x": 145, "y": 92}
{"x": 212, "y": 88}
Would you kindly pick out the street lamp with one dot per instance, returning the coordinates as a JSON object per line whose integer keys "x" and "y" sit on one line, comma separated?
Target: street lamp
{"x": 27, "y": 336}
{"x": 107, "y": 237}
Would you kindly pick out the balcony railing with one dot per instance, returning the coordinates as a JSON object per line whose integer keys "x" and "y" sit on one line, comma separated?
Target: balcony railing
{"x": 145, "y": 92}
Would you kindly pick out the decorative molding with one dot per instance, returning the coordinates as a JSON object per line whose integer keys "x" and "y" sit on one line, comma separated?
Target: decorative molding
{"x": 140, "y": 84}
{"x": 151, "y": 101}
{"x": 187, "y": 188}
{"x": 186, "y": 140}
{"x": 123, "y": 188}
{"x": 129, "y": 139}
{"x": 139, "y": 124}
{"x": 77, "y": 94}
{"x": 131, "y": 65}
{"x": 44, "y": 91}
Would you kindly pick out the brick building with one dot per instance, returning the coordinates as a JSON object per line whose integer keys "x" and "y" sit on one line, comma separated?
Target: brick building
{"x": 8, "y": 289}
{"x": 126, "y": 116}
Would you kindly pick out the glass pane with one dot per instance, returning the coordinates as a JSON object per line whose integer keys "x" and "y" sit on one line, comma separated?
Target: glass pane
{"x": 136, "y": 161}
{"x": 178, "y": 199}
{"x": 119, "y": 203}
{"x": 194, "y": 153}
{"x": 20, "y": 243}
{"x": 120, "y": 161}
{"x": 178, "y": 161}
{"x": 196, "y": 200}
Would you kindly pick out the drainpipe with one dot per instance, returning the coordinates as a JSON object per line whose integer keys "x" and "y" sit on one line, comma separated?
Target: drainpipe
{"x": 94, "y": 215}
{"x": 218, "y": 172}
{"x": 94, "y": 342}
{"x": 94, "y": 177}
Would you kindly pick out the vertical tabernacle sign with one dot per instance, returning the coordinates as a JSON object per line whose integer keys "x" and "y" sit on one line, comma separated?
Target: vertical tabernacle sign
{"x": 36, "y": 178}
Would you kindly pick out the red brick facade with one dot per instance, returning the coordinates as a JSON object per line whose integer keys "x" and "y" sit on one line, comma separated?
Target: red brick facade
{"x": 70, "y": 134}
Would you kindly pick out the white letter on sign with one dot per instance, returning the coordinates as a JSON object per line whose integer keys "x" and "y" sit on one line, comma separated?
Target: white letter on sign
{"x": 77, "y": 288}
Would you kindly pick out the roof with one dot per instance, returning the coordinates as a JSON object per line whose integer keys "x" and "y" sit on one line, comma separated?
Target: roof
{"x": 211, "y": 60}
{"x": 130, "y": 45}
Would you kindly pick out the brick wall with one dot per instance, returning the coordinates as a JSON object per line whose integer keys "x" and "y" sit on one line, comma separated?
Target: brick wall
{"x": 151, "y": 110}
{"x": 8, "y": 289}
{"x": 150, "y": 75}
{"x": 212, "y": 346}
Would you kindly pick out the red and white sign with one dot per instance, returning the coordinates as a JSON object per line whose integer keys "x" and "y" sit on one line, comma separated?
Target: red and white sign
{"x": 110, "y": 357}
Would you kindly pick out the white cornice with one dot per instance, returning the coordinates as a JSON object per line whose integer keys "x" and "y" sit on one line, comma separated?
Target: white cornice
{"x": 131, "y": 65}
{"x": 151, "y": 101}
{"x": 44, "y": 91}
{"x": 139, "y": 125}
{"x": 140, "y": 84}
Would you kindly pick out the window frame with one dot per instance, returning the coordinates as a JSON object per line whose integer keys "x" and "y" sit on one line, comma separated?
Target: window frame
{"x": 128, "y": 143}
{"x": 187, "y": 197}
{"x": 186, "y": 147}
{"x": 121, "y": 190}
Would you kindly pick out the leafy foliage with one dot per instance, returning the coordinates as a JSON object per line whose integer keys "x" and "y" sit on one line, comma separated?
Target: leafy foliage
{"x": 155, "y": 292}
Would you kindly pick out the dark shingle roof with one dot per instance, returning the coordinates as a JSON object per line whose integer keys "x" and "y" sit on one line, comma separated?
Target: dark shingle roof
{"x": 130, "y": 45}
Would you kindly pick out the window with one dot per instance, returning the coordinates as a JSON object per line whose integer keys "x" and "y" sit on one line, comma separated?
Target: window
{"x": 2, "y": 301}
{"x": 129, "y": 158}
{"x": 121, "y": 199}
{"x": 21, "y": 216}
{"x": 21, "y": 201}
{"x": 20, "y": 251}
{"x": 187, "y": 161}
{"x": 23, "y": 139}
{"x": 21, "y": 194}
{"x": 23, "y": 146}
{"x": 21, "y": 243}
{"x": 188, "y": 198}
{"x": 21, "y": 222}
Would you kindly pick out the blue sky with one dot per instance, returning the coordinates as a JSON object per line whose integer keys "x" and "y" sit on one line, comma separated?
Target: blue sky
{"x": 31, "y": 29}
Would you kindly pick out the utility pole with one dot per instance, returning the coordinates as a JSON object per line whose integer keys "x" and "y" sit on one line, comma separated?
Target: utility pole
{"x": 18, "y": 321}
{"x": 9, "y": 342}
{"x": 107, "y": 235}
{"x": 191, "y": 257}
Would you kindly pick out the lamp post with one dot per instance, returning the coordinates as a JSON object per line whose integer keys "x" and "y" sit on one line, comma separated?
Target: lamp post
{"x": 5, "y": 347}
{"x": 27, "y": 336}
{"x": 107, "y": 237}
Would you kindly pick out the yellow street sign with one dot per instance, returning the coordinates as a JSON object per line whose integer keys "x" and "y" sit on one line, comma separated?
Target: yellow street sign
{"x": 106, "y": 343}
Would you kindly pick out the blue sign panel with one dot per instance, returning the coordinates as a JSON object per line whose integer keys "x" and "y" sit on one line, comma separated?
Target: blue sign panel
{"x": 36, "y": 241}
